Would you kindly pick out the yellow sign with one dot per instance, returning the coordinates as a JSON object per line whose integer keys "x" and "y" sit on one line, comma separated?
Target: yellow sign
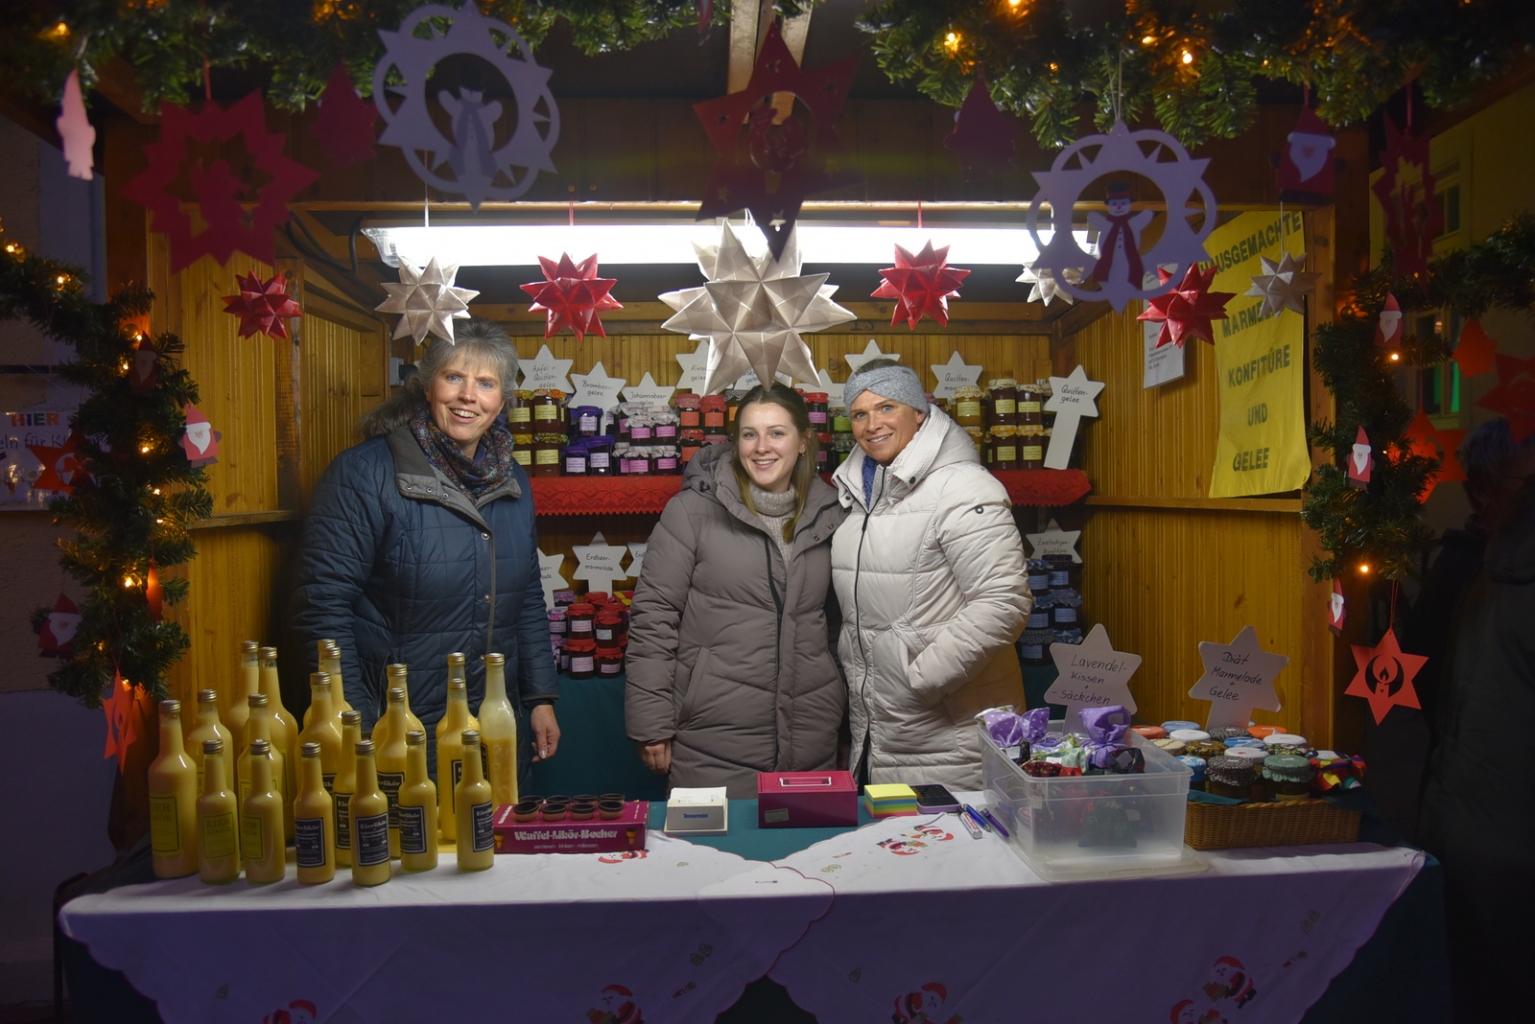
{"x": 1262, "y": 363}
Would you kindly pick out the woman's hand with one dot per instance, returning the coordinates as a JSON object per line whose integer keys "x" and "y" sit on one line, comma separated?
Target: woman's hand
{"x": 657, "y": 756}
{"x": 546, "y": 732}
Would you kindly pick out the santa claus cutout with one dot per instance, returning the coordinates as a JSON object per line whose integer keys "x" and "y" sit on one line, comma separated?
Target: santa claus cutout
{"x": 1337, "y": 609}
{"x": 201, "y": 441}
{"x": 58, "y": 629}
{"x": 1119, "y": 237}
{"x": 1388, "y": 329}
{"x": 1307, "y": 166}
{"x": 1360, "y": 461}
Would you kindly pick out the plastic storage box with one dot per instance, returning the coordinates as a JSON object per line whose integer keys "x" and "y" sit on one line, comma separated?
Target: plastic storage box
{"x": 1094, "y": 826}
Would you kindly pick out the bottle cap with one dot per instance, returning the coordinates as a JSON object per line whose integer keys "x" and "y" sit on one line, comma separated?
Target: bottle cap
{"x": 471, "y": 736}
{"x": 365, "y": 747}
{"x": 495, "y": 659}
{"x": 351, "y": 717}
{"x": 207, "y": 696}
{"x": 396, "y": 695}
{"x": 213, "y": 746}
{"x": 1284, "y": 739}
{"x": 249, "y": 646}
{"x": 456, "y": 683}
{"x": 257, "y": 700}
{"x": 456, "y": 658}
{"x": 415, "y": 737}
{"x": 1248, "y": 753}
{"x": 170, "y": 706}
{"x": 319, "y": 679}
{"x": 397, "y": 670}
{"x": 310, "y": 750}
{"x": 268, "y": 652}
{"x": 260, "y": 748}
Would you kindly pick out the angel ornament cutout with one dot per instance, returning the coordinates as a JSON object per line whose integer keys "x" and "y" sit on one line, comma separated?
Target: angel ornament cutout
{"x": 474, "y": 132}
{"x": 1119, "y": 235}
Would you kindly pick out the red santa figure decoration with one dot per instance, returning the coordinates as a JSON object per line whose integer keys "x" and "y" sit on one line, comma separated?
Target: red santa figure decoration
{"x": 921, "y": 1006}
{"x": 1119, "y": 237}
{"x": 300, "y": 1011}
{"x": 201, "y": 441}
{"x": 58, "y": 629}
{"x": 1307, "y": 166}
{"x": 1230, "y": 982}
{"x": 616, "y": 1006}
{"x": 1361, "y": 461}
{"x": 141, "y": 378}
{"x": 1388, "y": 329}
{"x": 1186, "y": 1012}
{"x": 1337, "y": 609}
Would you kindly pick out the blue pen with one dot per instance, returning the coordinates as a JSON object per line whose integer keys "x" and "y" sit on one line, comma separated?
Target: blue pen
{"x": 976, "y": 817}
{"x": 995, "y": 823}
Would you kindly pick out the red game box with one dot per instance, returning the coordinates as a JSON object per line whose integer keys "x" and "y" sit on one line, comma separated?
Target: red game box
{"x": 806, "y": 799}
{"x": 624, "y": 833}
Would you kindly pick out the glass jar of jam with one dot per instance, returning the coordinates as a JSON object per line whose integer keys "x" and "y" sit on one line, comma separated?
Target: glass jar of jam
{"x": 576, "y": 458}
{"x": 522, "y": 450}
{"x": 732, "y": 406}
{"x": 561, "y": 657}
{"x": 666, "y": 430}
{"x": 599, "y": 456}
{"x": 1030, "y": 407}
{"x": 580, "y": 620}
{"x": 689, "y": 411}
{"x": 666, "y": 462}
{"x": 1043, "y": 391}
{"x": 714, "y": 410}
{"x": 816, "y": 403}
{"x": 548, "y": 451}
{"x": 1031, "y": 449}
{"x": 967, "y": 406}
{"x": 692, "y": 441}
{"x": 1004, "y": 402}
{"x": 1004, "y": 447}
{"x": 610, "y": 627}
{"x": 583, "y": 658}
{"x": 1063, "y": 616}
{"x": 610, "y": 661}
{"x": 548, "y": 410}
{"x": 585, "y": 421}
{"x": 519, "y": 413}
{"x": 641, "y": 431}
{"x": 557, "y": 622}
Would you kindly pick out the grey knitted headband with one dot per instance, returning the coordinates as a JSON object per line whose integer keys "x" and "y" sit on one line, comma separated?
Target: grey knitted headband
{"x": 898, "y": 383}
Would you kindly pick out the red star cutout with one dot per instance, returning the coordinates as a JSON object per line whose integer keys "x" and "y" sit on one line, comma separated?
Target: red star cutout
{"x": 921, "y": 285}
{"x": 983, "y": 135}
{"x": 778, "y": 164}
{"x": 572, "y": 294}
{"x": 1475, "y": 351}
{"x": 1188, "y": 309}
{"x": 1514, "y": 396}
{"x": 239, "y": 214}
{"x": 1385, "y": 676}
{"x": 262, "y": 306}
{"x": 122, "y": 723}
{"x": 63, "y": 467}
{"x": 1412, "y": 216}
{"x": 1433, "y": 443}
{"x": 347, "y": 124}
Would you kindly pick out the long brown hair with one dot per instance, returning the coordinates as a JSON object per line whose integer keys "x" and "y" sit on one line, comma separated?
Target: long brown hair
{"x": 804, "y": 466}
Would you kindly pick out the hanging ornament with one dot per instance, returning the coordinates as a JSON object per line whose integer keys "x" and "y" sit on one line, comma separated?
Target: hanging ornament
{"x": 1361, "y": 462}
{"x": 1430, "y": 442}
{"x": 153, "y": 593}
{"x": 57, "y": 632}
{"x": 1406, "y": 193}
{"x": 1385, "y": 676}
{"x": 122, "y": 722}
{"x": 983, "y": 134}
{"x": 1283, "y": 285}
{"x": 1045, "y": 289}
{"x": 466, "y": 162}
{"x": 1188, "y": 309}
{"x": 753, "y": 311}
{"x": 75, "y": 129}
{"x": 788, "y": 153}
{"x": 240, "y": 213}
{"x": 200, "y": 441}
{"x": 144, "y": 369}
{"x": 1475, "y": 350}
{"x": 427, "y": 300}
{"x": 263, "y": 307}
{"x": 1388, "y": 329}
{"x": 572, "y": 294}
{"x": 1307, "y": 167}
{"x": 63, "y": 468}
{"x": 346, "y": 125}
{"x": 1337, "y": 608}
{"x": 921, "y": 285}
{"x": 1514, "y": 396}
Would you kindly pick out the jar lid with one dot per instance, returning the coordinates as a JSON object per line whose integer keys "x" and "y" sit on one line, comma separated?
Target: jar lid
{"x": 556, "y": 613}
{"x": 1207, "y": 748}
{"x": 580, "y": 646}
{"x": 1261, "y": 731}
{"x": 1231, "y": 771}
{"x": 1004, "y": 431}
{"x": 1151, "y": 732}
{"x": 1225, "y": 732}
{"x": 686, "y": 400}
{"x": 1179, "y": 724}
{"x": 582, "y": 609}
{"x": 1196, "y": 763}
{"x": 1284, "y": 739}
{"x": 1188, "y": 735}
{"x": 1288, "y": 768}
{"x": 1172, "y": 746}
{"x": 969, "y": 391}
{"x": 817, "y": 396}
{"x": 1002, "y": 382}
{"x": 1254, "y": 755}
{"x": 610, "y": 652}
{"x": 610, "y": 615}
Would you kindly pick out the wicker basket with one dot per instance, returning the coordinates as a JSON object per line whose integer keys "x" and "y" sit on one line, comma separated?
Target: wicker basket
{"x": 1279, "y": 823}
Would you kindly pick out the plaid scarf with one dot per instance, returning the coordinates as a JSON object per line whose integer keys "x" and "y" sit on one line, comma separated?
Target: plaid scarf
{"x": 478, "y": 476}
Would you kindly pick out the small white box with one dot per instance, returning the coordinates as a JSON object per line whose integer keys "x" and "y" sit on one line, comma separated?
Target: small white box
{"x": 698, "y": 812}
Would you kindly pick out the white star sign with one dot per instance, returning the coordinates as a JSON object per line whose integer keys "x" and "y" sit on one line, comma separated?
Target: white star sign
{"x": 1055, "y": 541}
{"x": 637, "y": 558}
{"x": 544, "y": 372}
{"x": 1239, "y": 676}
{"x": 832, "y": 390}
{"x": 549, "y": 567}
{"x": 956, "y": 373}
{"x": 601, "y": 564}
{"x": 870, "y": 351}
{"x": 597, "y": 389}
{"x": 1075, "y": 396}
{"x": 647, "y": 392}
{"x": 1092, "y": 675}
{"x": 695, "y": 368}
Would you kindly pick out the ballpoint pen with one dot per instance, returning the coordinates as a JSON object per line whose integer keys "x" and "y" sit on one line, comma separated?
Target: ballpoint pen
{"x": 986, "y": 812}
{"x": 975, "y": 815}
{"x": 970, "y": 826}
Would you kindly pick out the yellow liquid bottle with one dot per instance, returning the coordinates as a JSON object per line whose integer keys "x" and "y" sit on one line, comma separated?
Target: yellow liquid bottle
{"x": 476, "y": 836}
{"x": 418, "y": 808}
{"x": 498, "y": 733}
{"x": 258, "y": 726}
{"x": 450, "y": 746}
{"x": 207, "y": 727}
{"x": 391, "y": 763}
{"x": 370, "y": 822}
{"x": 330, "y": 663}
{"x": 284, "y": 732}
{"x": 397, "y": 677}
{"x": 324, "y": 728}
{"x": 314, "y": 818}
{"x": 345, "y": 785}
{"x": 248, "y": 682}
{"x": 218, "y": 848}
{"x": 172, "y": 800}
{"x": 261, "y": 819}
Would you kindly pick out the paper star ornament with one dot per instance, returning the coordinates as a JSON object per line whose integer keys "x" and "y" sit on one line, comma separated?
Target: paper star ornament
{"x": 1337, "y": 608}
{"x": 573, "y": 296}
{"x": 1514, "y": 396}
{"x": 1283, "y": 285}
{"x": 753, "y": 311}
{"x": 1385, "y": 676}
{"x": 200, "y": 441}
{"x": 1475, "y": 350}
{"x": 75, "y": 129}
{"x": 921, "y": 285}
{"x": 1045, "y": 289}
{"x": 545, "y": 373}
{"x": 695, "y": 368}
{"x": 596, "y": 389}
{"x": 1188, "y": 309}
{"x": 1091, "y": 675}
{"x": 264, "y": 307}
{"x": 601, "y": 564}
{"x": 58, "y": 629}
{"x": 1430, "y": 442}
{"x": 346, "y": 125}
{"x": 648, "y": 392}
{"x": 122, "y": 720}
{"x": 1239, "y": 676}
{"x": 956, "y": 373}
{"x": 427, "y": 300}
{"x": 549, "y": 567}
{"x": 63, "y": 468}
{"x": 1388, "y": 327}
{"x": 983, "y": 134}
{"x": 1055, "y": 541}
{"x": 1073, "y": 397}
{"x": 855, "y": 360}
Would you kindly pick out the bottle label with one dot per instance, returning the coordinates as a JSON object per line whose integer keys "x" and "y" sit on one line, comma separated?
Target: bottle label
{"x": 390, "y": 783}
{"x": 309, "y": 842}
{"x": 604, "y": 632}
{"x": 1033, "y": 452}
{"x": 1028, "y": 407}
{"x": 664, "y": 463}
{"x": 690, "y": 417}
{"x": 575, "y": 464}
{"x": 587, "y": 424}
{"x": 219, "y": 835}
{"x": 600, "y": 460}
{"x": 329, "y": 782}
{"x": 252, "y": 842}
{"x": 714, "y": 419}
{"x": 522, "y": 456}
{"x": 578, "y": 663}
{"x": 580, "y": 625}
{"x": 164, "y": 832}
{"x": 666, "y": 430}
{"x": 484, "y": 836}
{"x": 968, "y": 408}
{"x": 1061, "y": 578}
{"x": 1065, "y": 614}
{"x": 373, "y": 840}
{"x": 546, "y": 457}
{"x": 412, "y": 829}
{"x": 1040, "y": 581}
{"x": 817, "y": 418}
{"x": 456, "y": 773}
{"x": 343, "y": 821}
{"x": 1034, "y": 652}
{"x": 611, "y": 668}
{"x": 1006, "y": 454}
{"x": 1039, "y": 620}
{"x": 640, "y": 433}
{"x": 519, "y": 414}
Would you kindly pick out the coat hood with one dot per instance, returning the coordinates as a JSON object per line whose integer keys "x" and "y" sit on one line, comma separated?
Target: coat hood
{"x": 937, "y": 443}
{"x": 711, "y": 472}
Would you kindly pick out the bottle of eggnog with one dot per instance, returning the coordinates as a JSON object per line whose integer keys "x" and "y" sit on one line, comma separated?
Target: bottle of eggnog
{"x": 172, "y": 800}
{"x": 330, "y": 663}
{"x": 418, "y": 808}
{"x": 284, "y": 731}
{"x": 207, "y": 728}
{"x": 314, "y": 818}
{"x": 247, "y": 683}
{"x": 498, "y": 733}
{"x": 397, "y": 677}
{"x": 345, "y": 785}
{"x": 391, "y": 763}
{"x": 261, "y": 818}
{"x": 450, "y": 746}
{"x": 370, "y": 822}
{"x": 258, "y": 726}
{"x": 218, "y": 848}
{"x": 476, "y": 813}
{"x": 323, "y": 727}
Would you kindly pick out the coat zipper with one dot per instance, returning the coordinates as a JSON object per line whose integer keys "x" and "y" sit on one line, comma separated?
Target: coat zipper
{"x": 767, "y": 543}
{"x": 863, "y": 687}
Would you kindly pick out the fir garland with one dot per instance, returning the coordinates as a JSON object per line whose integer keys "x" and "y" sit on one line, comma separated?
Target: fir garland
{"x": 141, "y": 492}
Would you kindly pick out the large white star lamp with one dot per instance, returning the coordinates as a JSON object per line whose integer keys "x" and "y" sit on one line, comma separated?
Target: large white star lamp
{"x": 601, "y": 564}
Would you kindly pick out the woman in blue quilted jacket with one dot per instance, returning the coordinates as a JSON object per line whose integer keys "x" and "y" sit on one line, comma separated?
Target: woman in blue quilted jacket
{"x": 420, "y": 541}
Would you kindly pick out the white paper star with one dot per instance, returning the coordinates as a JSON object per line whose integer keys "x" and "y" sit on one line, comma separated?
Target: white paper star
{"x": 956, "y": 373}
{"x": 648, "y": 392}
{"x": 1075, "y": 396}
{"x": 637, "y": 558}
{"x": 753, "y": 311}
{"x": 544, "y": 372}
{"x": 601, "y": 564}
{"x": 1239, "y": 676}
{"x": 596, "y": 389}
{"x": 695, "y": 368}
{"x": 549, "y": 567}
{"x": 427, "y": 301}
{"x": 832, "y": 389}
{"x": 1283, "y": 285}
{"x": 1055, "y": 541}
{"x": 1092, "y": 675}
{"x": 870, "y": 351}
{"x": 1046, "y": 289}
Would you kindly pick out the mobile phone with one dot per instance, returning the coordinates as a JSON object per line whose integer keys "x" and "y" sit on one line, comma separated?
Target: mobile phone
{"x": 932, "y": 799}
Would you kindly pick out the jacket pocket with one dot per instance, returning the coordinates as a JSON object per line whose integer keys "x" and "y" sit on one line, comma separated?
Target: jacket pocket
{"x": 688, "y": 698}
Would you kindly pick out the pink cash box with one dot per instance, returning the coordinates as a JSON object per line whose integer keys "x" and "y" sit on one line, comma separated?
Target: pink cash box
{"x": 806, "y": 799}
{"x": 622, "y": 834}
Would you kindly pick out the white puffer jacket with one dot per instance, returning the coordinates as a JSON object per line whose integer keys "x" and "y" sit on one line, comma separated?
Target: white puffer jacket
{"x": 934, "y": 593}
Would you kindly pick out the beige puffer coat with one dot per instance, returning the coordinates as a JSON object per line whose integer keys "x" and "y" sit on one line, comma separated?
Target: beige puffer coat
{"x": 933, "y": 592}
{"x": 729, "y": 655}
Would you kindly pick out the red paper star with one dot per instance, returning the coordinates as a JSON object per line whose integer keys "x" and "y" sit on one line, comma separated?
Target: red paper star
{"x": 921, "y": 285}
{"x": 1433, "y": 443}
{"x": 63, "y": 467}
{"x": 780, "y": 161}
{"x": 262, "y": 306}
{"x": 1188, "y": 309}
{"x": 1385, "y": 676}
{"x": 347, "y": 124}
{"x": 1413, "y": 218}
{"x": 122, "y": 722}
{"x": 1514, "y": 396}
{"x": 572, "y": 294}
{"x": 240, "y": 215}
{"x": 1475, "y": 351}
{"x": 983, "y": 135}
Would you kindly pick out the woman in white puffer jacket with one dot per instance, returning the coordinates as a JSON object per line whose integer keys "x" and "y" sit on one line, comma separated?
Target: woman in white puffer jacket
{"x": 929, "y": 571}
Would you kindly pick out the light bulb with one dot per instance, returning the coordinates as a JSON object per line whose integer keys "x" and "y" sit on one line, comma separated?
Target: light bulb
{"x": 1364, "y": 568}
{"x": 1188, "y": 58}
{"x": 951, "y": 40}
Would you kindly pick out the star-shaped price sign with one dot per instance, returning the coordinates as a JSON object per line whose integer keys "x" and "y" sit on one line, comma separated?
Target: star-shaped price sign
{"x": 1514, "y": 396}
{"x": 695, "y": 368}
{"x": 1475, "y": 350}
{"x": 870, "y": 351}
{"x": 1432, "y": 443}
{"x": 637, "y": 558}
{"x": 956, "y": 373}
{"x": 1385, "y": 676}
{"x": 596, "y": 389}
{"x": 1075, "y": 396}
{"x": 601, "y": 564}
{"x": 427, "y": 300}
{"x": 1055, "y": 541}
{"x": 1092, "y": 675}
{"x": 648, "y": 392}
{"x": 549, "y": 567}
{"x": 921, "y": 285}
{"x": 546, "y": 373}
{"x": 832, "y": 390}
{"x": 1239, "y": 676}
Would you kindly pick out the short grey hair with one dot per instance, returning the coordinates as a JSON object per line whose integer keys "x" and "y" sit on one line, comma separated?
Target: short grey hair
{"x": 477, "y": 341}
{"x": 1488, "y": 449}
